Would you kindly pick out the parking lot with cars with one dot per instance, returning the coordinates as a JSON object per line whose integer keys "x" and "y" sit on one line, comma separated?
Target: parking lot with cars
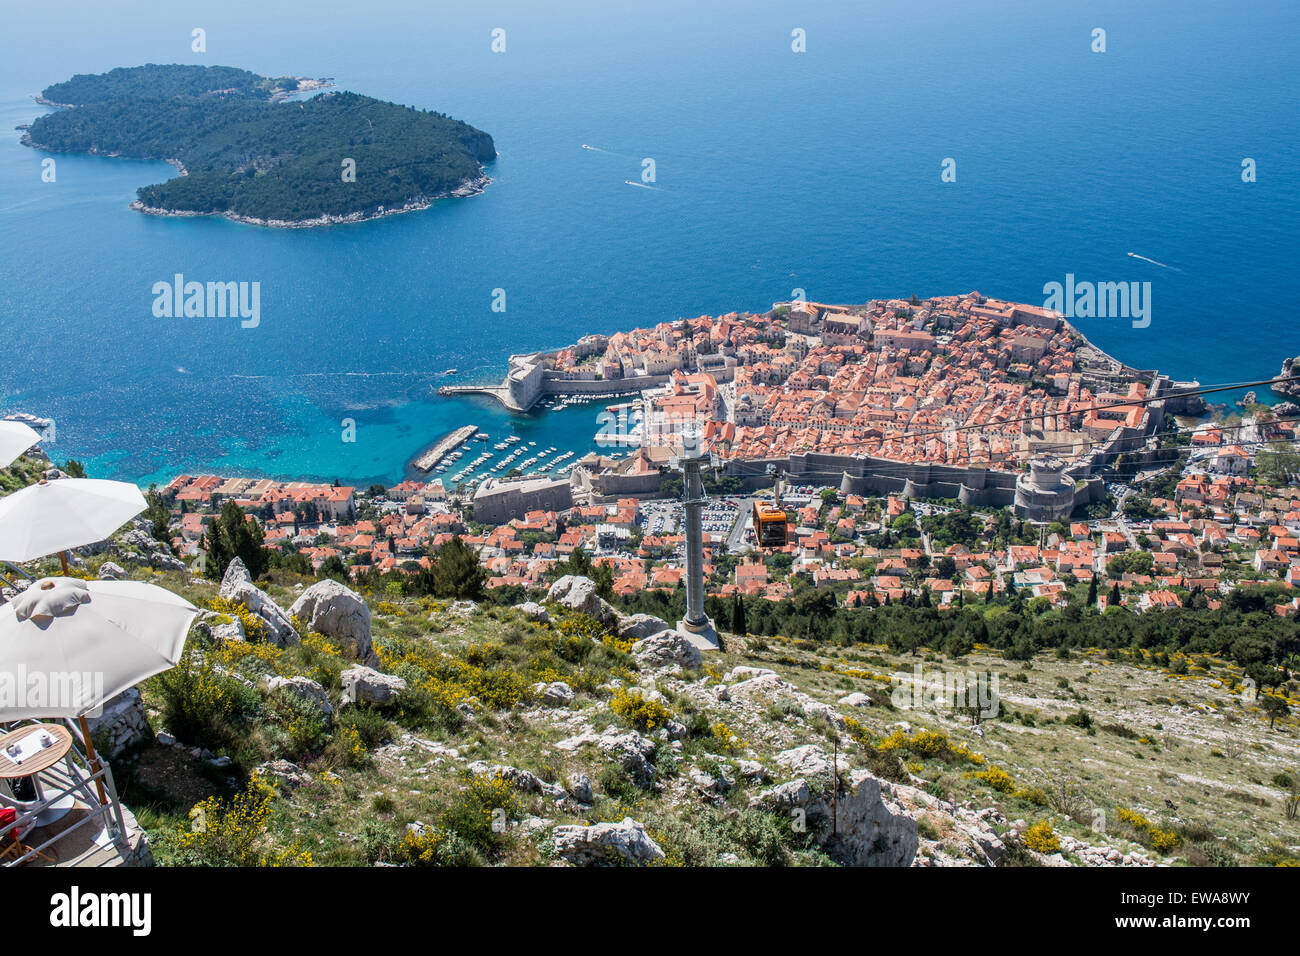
{"x": 665, "y": 517}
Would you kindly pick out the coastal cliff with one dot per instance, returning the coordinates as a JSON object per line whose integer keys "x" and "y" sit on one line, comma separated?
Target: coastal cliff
{"x": 1290, "y": 369}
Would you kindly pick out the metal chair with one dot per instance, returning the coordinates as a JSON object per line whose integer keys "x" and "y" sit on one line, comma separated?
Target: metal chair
{"x": 12, "y": 831}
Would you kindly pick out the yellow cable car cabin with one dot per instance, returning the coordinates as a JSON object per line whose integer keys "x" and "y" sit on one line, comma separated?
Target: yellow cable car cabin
{"x": 769, "y": 525}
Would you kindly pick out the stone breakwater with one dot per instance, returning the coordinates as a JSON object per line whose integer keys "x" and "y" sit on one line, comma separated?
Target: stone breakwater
{"x": 426, "y": 460}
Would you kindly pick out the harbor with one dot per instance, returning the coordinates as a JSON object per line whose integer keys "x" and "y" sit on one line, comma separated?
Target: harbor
{"x": 518, "y": 457}
{"x": 430, "y": 458}
{"x": 545, "y": 444}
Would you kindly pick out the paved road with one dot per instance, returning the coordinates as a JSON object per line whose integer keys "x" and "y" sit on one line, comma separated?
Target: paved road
{"x": 736, "y": 543}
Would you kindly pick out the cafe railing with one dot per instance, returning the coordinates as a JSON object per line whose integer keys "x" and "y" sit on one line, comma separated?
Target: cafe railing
{"x": 75, "y": 775}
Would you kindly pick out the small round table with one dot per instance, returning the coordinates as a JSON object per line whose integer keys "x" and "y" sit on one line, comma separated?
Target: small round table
{"x": 33, "y": 765}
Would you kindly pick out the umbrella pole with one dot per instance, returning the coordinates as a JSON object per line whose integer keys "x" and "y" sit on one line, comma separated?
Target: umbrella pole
{"x": 94, "y": 760}
{"x": 63, "y": 559}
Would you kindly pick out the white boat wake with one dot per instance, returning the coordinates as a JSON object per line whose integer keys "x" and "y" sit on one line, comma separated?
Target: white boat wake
{"x": 1154, "y": 262}
{"x": 633, "y": 182}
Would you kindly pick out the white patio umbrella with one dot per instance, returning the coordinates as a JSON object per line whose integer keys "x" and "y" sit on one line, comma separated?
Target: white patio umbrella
{"x": 51, "y": 517}
{"x": 15, "y": 438}
{"x": 68, "y": 645}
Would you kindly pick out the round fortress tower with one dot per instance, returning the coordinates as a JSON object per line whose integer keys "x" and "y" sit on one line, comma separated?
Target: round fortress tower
{"x": 1045, "y": 493}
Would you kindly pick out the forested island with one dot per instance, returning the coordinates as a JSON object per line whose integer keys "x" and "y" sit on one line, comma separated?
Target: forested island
{"x": 246, "y": 151}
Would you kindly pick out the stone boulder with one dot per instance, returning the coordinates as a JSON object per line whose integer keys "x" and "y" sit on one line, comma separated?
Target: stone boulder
{"x": 220, "y": 627}
{"x": 330, "y": 608}
{"x": 573, "y": 592}
{"x": 629, "y": 749}
{"x": 303, "y": 687}
{"x": 108, "y": 571}
{"x": 606, "y": 843}
{"x": 364, "y": 685}
{"x": 807, "y": 761}
{"x": 555, "y": 694}
{"x": 524, "y": 780}
{"x": 869, "y": 831}
{"x": 533, "y": 611}
{"x": 236, "y": 574}
{"x": 987, "y": 847}
{"x": 667, "y": 649}
{"x": 163, "y": 561}
{"x": 283, "y": 773}
{"x": 712, "y": 788}
{"x": 579, "y": 787}
{"x": 856, "y": 699}
{"x": 872, "y": 831}
{"x": 637, "y": 627}
{"x": 785, "y": 796}
{"x": 144, "y": 548}
{"x": 140, "y": 540}
{"x": 532, "y": 826}
{"x": 237, "y": 586}
{"x": 744, "y": 673}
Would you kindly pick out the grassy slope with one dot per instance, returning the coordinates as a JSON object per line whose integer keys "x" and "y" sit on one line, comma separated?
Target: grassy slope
{"x": 1194, "y": 743}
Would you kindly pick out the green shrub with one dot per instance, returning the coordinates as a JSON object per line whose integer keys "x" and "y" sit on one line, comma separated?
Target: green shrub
{"x": 997, "y": 778}
{"x": 762, "y": 836}
{"x": 1147, "y": 833}
{"x": 617, "y": 784}
{"x": 477, "y": 814}
{"x": 1041, "y": 838}
{"x": 295, "y": 725}
{"x": 201, "y": 705}
{"x": 230, "y": 834}
{"x": 1082, "y": 719}
{"x": 379, "y": 840}
{"x": 1035, "y": 795}
{"x": 357, "y": 731}
{"x": 644, "y": 713}
{"x": 1277, "y": 854}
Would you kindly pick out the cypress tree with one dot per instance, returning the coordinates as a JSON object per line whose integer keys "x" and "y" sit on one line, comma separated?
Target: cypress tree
{"x": 232, "y": 535}
{"x": 456, "y": 572}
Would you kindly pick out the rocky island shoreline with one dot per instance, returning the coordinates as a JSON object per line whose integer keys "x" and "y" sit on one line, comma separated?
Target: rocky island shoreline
{"x": 242, "y": 153}
{"x": 470, "y": 188}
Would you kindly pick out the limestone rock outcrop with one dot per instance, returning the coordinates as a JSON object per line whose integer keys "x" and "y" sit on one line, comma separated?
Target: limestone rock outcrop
{"x": 606, "y": 843}
{"x": 365, "y": 685}
{"x": 237, "y": 586}
{"x": 339, "y": 613}
{"x": 667, "y": 649}
{"x": 574, "y": 592}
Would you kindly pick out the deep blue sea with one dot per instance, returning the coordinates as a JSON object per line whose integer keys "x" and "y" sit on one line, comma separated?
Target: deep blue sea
{"x": 775, "y": 170}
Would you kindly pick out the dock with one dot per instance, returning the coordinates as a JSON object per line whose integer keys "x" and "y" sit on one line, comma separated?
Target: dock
{"x": 428, "y": 459}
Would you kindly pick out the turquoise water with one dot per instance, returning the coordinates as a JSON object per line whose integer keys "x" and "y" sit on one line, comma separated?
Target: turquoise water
{"x": 775, "y": 171}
